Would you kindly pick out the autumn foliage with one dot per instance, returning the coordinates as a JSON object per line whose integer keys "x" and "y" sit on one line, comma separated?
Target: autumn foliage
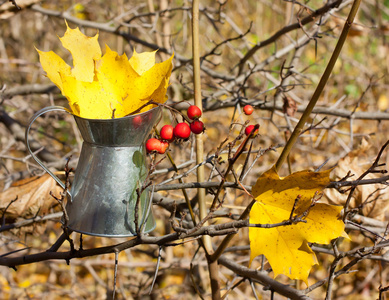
{"x": 99, "y": 87}
{"x": 235, "y": 218}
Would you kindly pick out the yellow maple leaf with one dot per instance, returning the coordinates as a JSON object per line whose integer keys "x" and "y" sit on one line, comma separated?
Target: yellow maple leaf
{"x": 98, "y": 87}
{"x": 141, "y": 62}
{"x": 54, "y": 67}
{"x": 286, "y": 247}
{"x": 84, "y": 50}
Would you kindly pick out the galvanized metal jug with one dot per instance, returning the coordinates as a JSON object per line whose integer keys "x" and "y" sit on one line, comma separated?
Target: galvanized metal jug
{"x": 111, "y": 167}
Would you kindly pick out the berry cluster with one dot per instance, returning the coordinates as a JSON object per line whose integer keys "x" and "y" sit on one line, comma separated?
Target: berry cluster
{"x": 248, "y": 110}
{"x": 181, "y": 131}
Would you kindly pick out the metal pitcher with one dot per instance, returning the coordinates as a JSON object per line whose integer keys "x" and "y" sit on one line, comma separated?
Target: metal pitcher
{"x": 112, "y": 165}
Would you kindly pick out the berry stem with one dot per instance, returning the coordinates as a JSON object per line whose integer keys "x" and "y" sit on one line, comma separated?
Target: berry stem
{"x": 180, "y": 181}
{"x": 183, "y": 190}
{"x": 151, "y": 102}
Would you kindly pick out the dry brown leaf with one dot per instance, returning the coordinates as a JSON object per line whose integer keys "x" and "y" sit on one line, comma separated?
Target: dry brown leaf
{"x": 32, "y": 197}
{"x": 290, "y": 106}
{"x": 372, "y": 197}
{"x": 7, "y": 10}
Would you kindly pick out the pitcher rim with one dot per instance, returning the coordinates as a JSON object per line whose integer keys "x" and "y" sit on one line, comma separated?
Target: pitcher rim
{"x": 110, "y": 120}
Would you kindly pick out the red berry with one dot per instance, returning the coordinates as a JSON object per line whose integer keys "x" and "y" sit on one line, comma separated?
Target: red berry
{"x": 248, "y": 109}
{"x": 197, "y": 127}
{"x": 153, "y": 145}
{"x": 137, "y": 121}
{"x": 182, "y": 131}
{"x": 164, "y": 146}
{"x": 193, "y": 112}
{"x": 249, "y": 129}
{"x": 167, "y": 133}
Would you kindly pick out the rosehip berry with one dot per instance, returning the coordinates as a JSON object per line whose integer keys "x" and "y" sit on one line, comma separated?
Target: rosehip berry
{"x": 194, "y": 112}
{"x": 164, "y": 146}
{"x": 182, "y": 131}
{"x": 248, "y": 109}
{"x": 153, "y": 145}
{"x": 167, "y": 133}
{"x": 249, "y": 129}
{"x": 137, "y": 121}
{"x": 197, "y": 127}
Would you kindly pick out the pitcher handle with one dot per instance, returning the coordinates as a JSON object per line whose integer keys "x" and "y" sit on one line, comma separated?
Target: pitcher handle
{"x": 32, "y": 120}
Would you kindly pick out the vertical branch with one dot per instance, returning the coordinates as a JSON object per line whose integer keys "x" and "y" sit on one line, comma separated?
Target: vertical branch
{"x": 120, "y": 40}
{"x": 115, "y": 273}
{"x": 61, "y": 201}
{"x": 206, "y": 240}
{"x": 150, "y": 6}
{"x": 197, "y": 100}
{"x": 323, "y": 81}
{"x": 165, "y": 18}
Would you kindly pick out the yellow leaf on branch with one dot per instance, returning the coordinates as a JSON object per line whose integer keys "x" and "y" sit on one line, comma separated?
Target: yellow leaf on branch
{"x": 99, "y": 87}
{"x": 286, "y": 247}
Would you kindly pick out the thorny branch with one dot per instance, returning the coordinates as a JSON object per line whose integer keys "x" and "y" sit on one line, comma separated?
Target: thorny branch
{"x": 61, "y": 201}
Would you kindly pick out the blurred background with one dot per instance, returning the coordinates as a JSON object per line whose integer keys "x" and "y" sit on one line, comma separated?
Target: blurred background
{"x": 261, "y": 53}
